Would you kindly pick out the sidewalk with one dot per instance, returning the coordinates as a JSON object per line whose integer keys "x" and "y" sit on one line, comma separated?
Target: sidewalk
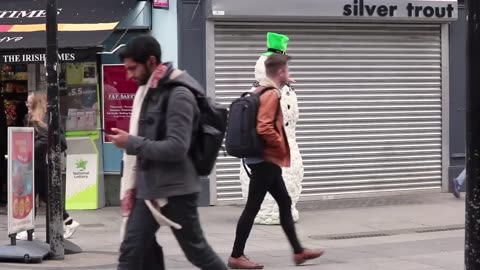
{"x": 418, "y": 232}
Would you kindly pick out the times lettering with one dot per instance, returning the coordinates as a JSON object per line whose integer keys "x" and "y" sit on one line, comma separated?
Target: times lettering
{"x": 16, "y": 14}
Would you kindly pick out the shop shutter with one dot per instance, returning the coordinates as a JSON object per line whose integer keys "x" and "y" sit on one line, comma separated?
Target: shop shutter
{"x": 369, "y": 98}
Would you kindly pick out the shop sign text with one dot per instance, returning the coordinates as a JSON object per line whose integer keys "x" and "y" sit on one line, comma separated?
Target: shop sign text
{"x": 163, "y": 4}
{"x": 10, "y": 39}
{"x": 18, "y": 14}
{"x": 339, "y": 10}
{"x": 361, "y": 8}
{"x": 118, "y": 95}
{"x": 37, "y": 57}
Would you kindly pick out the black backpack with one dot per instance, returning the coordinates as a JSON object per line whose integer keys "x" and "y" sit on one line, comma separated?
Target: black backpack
{"x": 209, "y": 135}
{"x": 242, "y": 139}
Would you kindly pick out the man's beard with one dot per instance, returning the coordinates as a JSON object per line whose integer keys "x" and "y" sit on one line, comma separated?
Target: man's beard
{"x": 144, "y": 79}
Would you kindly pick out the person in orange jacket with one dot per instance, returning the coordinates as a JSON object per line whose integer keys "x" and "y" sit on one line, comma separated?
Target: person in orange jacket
{"x": 266, "y": 170}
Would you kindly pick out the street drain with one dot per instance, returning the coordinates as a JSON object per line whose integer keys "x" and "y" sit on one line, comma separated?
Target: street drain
{"x": 440, "y": 229}
{"x": 93, "y": 225}
{"x": 385, "y": 233}
{"x": 354, "y": 236}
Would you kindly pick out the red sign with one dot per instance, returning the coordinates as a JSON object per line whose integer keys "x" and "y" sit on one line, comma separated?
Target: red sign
{"x": 160, "y": 4}
{"x": 118, "y": 95}
{"x": 20, "y": 180}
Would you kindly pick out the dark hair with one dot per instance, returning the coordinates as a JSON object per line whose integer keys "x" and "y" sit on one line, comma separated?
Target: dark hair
{"x": 140, "y": 49}
{"x": 276, "y": 62}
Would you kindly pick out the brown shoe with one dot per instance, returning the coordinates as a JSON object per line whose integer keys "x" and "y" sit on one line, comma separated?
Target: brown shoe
{"x": 243, "y": 263}
{"x": 307, "y": 254}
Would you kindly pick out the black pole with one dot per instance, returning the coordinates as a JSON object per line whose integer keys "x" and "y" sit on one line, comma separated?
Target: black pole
{"x": 54, "y": 220}
{"x": 472, "y": 224}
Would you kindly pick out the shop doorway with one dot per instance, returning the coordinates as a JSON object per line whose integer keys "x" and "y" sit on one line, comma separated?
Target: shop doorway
{"x": 14, "y": 86}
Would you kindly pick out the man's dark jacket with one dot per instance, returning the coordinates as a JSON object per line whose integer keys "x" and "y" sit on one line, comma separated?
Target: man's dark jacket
{"x": 167, "y": 122}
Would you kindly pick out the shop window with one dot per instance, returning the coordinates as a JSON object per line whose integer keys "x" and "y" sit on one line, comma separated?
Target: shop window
{"x": 14, "y": 84}
{"x": 79, "y": 96}
{"x": 78, "y": 89}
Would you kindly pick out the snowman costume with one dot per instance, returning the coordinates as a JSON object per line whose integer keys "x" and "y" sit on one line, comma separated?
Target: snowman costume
{"x": 293, "y": 175}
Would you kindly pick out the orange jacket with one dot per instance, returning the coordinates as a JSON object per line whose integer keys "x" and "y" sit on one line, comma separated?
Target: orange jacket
{"x": 276, "y": 148}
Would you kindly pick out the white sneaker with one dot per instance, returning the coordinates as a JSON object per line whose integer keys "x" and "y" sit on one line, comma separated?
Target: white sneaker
{"x": 69, "y": 230}
{"x": 24, "y": 235}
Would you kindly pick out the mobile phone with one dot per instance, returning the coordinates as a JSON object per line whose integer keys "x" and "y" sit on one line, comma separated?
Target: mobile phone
{"x": 106, "y": 131}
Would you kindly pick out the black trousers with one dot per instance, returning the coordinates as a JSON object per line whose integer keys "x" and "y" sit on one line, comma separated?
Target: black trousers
{"x": 266, "y": 177}
{"x": 140, "y": 250}
{"x": 41, "y": 190}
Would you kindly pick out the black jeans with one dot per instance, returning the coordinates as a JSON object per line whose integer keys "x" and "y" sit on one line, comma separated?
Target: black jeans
{"x": 140, "y": 250}
{"x": 41, "y": 190}
{"x": 266, "y": 177}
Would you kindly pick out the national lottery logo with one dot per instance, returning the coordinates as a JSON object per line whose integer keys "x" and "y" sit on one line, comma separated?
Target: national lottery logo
{"x": 81, "y": 165}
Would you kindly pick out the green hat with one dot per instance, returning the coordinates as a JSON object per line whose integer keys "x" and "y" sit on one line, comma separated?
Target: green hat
{"x": 276, "y": 43}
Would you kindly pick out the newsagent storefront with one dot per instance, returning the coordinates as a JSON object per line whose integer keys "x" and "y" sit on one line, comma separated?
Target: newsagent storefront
{"x": 372, "y": 89}
{"x": 82, "y": 28}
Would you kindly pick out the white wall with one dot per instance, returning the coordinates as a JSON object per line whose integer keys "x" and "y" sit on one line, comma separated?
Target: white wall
{"x": 164, "y": 29}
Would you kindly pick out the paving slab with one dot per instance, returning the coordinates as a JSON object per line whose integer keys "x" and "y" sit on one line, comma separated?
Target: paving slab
{"x": 98, "y": 235}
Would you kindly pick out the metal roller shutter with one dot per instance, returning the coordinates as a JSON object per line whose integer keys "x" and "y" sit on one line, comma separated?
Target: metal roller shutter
{"x": 369, "y": 98}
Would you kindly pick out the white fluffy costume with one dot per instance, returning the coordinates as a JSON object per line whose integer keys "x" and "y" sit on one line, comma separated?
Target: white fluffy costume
{"x": 293, "y": 175}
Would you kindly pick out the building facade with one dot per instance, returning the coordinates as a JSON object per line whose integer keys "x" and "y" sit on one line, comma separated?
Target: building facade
{"x": 380, "y": 87}
{"x": 457, "y": 97}
{"x": 86, "y": 36}
{"x": 377, "y": 112}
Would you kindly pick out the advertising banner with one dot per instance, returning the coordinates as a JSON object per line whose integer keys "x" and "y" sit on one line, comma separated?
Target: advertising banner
{"x": 82, "y": 187}
{"x": 21, "y": 193}
{"x": 118, "y": 95}
{"x": 79, "y": 97}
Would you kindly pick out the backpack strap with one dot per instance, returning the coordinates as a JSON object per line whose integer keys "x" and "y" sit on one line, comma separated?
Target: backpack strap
{"x": 169, "y": 87}
{"x": 262, "y": 91}
{"x": 249, "y": 174}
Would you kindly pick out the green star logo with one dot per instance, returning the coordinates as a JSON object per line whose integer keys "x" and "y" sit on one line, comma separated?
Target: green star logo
{"x": 81, "y": 164}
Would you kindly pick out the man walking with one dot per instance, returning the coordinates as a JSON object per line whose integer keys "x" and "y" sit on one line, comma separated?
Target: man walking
{"x": 266, "y": 171}
{"x": 164, "y": 188}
